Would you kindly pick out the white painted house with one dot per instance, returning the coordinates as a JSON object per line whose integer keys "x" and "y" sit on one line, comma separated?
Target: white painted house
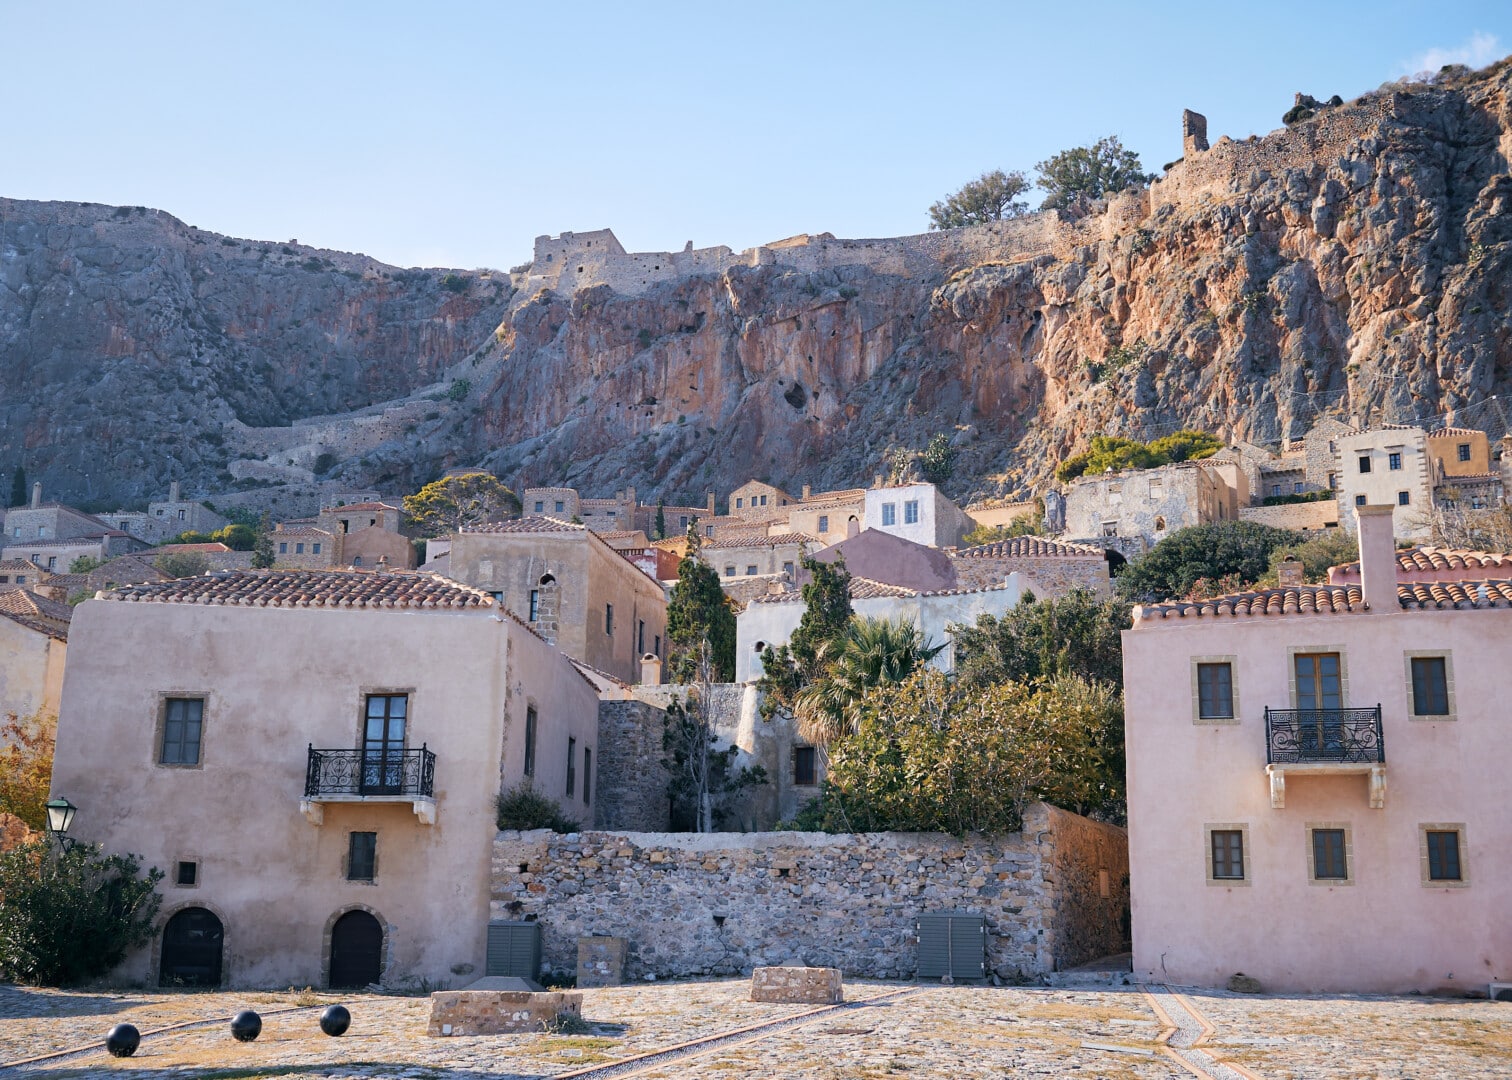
{"x": 917, "y": 512}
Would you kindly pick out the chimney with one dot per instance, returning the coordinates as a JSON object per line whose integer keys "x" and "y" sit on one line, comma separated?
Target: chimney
{"x": 1290, "y": 572}
{"x": 173, "y": 491}
{"x": 1378, "y": 566}
{"x": 710, "y": 493}
{"x": 630, "y": 499}
{"x": 807, "y": 491}
{"x": 36, "y": 503}
{"x": 651, "y": 670}
{"x": 876, "y": 480}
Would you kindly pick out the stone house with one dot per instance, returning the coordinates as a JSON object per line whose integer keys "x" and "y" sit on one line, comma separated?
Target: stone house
{"x": 557, "y": 502}
{"x": 33, "y": 651}
{"x": 829, "y": 516}
{"x": 304, "y": 547}
{"x": 569, "y": 586}
{"x": 736, "y": 555}
{"x": 353, "y": 517}
{"x": 1139, "y": 508}
{"x": 321, "y": 823}
{"x": 52, "y": 536}
{"x": 919, "y": 512}
{"x": 21, "y": 573}
{"x": 755, "y": 501}
{"x": 166, "y": 519}
{"x": 1464, "y": 474}
{"x": 1054, "y": 567}
{"x": 1310, "y": 763}
{"x": 1387, "y": 466}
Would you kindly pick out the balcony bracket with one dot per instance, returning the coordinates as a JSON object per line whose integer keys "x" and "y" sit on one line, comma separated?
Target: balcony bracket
{"x": 1378, "y": 787}
{"x": 425, "y": 810}
{"x": 314, "y": 812}
{"x": 1277, "y": 786}
{"x": 1375, "y": 774}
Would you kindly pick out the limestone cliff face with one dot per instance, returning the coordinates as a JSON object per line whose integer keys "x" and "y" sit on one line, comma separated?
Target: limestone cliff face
{"x": 1356, "y": 265}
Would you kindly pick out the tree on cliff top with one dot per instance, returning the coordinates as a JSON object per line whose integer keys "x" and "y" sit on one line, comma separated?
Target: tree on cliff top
{"x": 454, "y": 502}
{"x": 990, "y": 197}
{"x": 1090, "y": 172}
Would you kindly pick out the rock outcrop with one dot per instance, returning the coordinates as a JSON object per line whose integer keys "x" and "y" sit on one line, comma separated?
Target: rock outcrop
{"x": 1354, "y": 264}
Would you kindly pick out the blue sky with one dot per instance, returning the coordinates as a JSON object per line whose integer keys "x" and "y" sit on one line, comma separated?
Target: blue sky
{"x": 451, "y": 134}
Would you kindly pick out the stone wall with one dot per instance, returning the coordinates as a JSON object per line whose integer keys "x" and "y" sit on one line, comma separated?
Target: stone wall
{"x": 1299, "y": 517}
{"x": 631, "y": 782}
{"x": 726, "y": 903}
{"x": 1054, "y": 575}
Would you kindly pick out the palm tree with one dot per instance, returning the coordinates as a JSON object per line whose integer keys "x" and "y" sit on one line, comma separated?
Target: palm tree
{"x": 871, "y": 652}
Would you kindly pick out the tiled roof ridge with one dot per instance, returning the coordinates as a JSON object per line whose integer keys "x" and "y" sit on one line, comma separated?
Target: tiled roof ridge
{"x": 527, "y": 523}
{"x": 393, "y": 590}
{"x": 1038, "y": 546}
{"x": 1429, "y": 557}
{"x": 1336, "y": 599}
{"x": 1447, "y": 431}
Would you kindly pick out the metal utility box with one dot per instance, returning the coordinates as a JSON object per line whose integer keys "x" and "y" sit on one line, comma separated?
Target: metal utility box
{"x": 514, "y": 948}
{"x": 952, "y": 945}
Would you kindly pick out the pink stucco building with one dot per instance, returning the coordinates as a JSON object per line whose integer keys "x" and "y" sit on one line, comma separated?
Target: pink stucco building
{"x": 1317, "y": 782}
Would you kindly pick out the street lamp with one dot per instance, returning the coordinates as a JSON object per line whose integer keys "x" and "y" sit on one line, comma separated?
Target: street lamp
{"x": 60, "y": 815}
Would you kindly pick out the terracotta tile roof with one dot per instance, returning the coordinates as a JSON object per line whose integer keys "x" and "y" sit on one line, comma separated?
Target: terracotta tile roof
{"x": 310, "y": 589}
{"x": 1453, "y": 432}
{"x": 173, "y": 549}
{"x": 1421, "y": 559}
{"x": 620, "y": 534}
{"x": 302, "y": 530}
{"x": 23, "y": 566}
{"x": 530, "y": 523}
{"x": 1437, "y": 594}
{"x": 36, "y": 612}
{"x": 359, "y": 506}
{"x": 757, "y": 538}
{"x": 1471, "y": 478}
{"x": 1288, "y": 600}
{"x": 1028, "y": 547}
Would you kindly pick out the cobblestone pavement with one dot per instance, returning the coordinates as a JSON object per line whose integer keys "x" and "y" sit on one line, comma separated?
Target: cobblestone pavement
{"x": 935, "y": 1031}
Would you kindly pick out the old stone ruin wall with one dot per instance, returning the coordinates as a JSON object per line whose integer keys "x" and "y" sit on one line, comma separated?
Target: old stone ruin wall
{"x": 1054, "y": 895}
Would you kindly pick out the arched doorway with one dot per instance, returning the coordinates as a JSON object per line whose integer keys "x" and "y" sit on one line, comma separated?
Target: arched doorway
{"x": 191, "y": 949}
{"x": 356, "y": 950}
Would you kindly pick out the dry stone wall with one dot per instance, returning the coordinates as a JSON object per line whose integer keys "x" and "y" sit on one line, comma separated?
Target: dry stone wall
{"x": 726, "y": 903}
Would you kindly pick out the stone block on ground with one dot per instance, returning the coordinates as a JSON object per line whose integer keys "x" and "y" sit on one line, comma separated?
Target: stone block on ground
{"x": 499, "y": 1012}
{"x": 601, "y": 961}
{"x": 1240, "y": 983}
{"x": 797, "y": 985}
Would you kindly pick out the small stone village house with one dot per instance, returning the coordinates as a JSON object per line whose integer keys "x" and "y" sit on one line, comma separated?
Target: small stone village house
{"x": 918, "y": 512}
{"x": 33, "y": 649}
{"x": 1317, "y": 780}
{"x": 1135, "y": 510}
{"x": 312, "y": 758}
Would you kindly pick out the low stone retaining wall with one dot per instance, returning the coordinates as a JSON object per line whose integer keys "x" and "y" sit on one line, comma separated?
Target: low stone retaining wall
{"x": 798, "y": 985}
{"x": 1054, "y": 895}
{"x": 498, "y": 1012}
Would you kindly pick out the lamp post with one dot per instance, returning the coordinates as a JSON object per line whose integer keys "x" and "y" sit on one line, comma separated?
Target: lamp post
{"x": 60, "y": 815}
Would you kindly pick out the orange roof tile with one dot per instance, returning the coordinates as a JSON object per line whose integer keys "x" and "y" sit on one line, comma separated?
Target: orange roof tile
{"x": 310, "y": 589}
{"x": 1028, "y": 547}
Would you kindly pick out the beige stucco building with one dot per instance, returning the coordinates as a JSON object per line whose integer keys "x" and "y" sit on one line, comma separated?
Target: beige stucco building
{"x": 1316, "y": 783}
{"x": 33, "y": 650}
{"x": 569, "y": 586}
{"x": 312, "y": 759}
{"x": 1388, "y": 466}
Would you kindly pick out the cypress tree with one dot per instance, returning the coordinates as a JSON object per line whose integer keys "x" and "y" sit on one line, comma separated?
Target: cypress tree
{"x": 18, "y": 494}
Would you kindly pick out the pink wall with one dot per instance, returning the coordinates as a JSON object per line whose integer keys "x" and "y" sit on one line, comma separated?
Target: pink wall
{"x": 1386, "y": 931}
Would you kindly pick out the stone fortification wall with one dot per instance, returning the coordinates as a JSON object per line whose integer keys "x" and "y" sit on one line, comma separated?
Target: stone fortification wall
{"x": 724, "y": 903}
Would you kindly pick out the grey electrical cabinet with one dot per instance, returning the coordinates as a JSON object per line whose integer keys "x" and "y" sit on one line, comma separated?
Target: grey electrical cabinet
{"x": 952, "y": 944}
{"x": 514, "y": 948}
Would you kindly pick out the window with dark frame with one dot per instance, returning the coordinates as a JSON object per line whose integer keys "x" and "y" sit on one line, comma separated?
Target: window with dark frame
{"x": 1464, "y": 451}
{"x": 535, "y": 604}
{"x": 1430, "y": 686}
{"x": 1328, "y": 855}
{"x": 1364, "y": 463}
{"x": 362, "y": 856}
{"x": 1444, "y": 855}
{"x": 1215, "y": 691}
{"x": 1404, "y": 498}
{"x": 183, "y": 726}
{"x": 530, "y": 740}
{"x": 640, "y": 637}
{"x": 805, "y": 766}
{"x": 1228, "y": 854}
{"x": 1394, "y": 461}
{"x": 187, "y": 875}
{"x": 587, "y": 771}
{"x": 609, "y": 619}
{"x": 571, "y": 765}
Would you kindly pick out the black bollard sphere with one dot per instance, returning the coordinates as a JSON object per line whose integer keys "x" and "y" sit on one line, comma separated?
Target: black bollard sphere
{"x": 246, "y": 1026}
{"x": 123, "y": 1040}
{"x": 335, "y": 1020}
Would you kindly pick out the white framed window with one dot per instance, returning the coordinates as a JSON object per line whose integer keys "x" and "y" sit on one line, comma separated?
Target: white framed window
{"x": 911, "y": 512}
{"x": 889, "y": 513}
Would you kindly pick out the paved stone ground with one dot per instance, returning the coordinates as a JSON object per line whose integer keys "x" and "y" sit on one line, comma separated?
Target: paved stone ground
{"x": 931, "y": 1031}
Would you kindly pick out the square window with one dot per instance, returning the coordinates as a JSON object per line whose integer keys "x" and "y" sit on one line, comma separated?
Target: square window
{"x": 1404, "y": 498}
{"x": 911, "y": 512}
{"x": 1443, "y": 855}
{"x": 1430, "y": 686}
{"x": 362, "y": 856}
{"x": 560, "y": 506}
{"x": 1394, "y": 461}
{"x": 1228, "y": 854}
{"x": 1296, "y": 487}
{"x": 751, "y": 570}
{"x": 1364, "y": 463}
{"x": 530, "y": 740}
{"x": 1359, "y": 500}
{"x": 1464, "y": 451}
{"x": 824, "y": 523}
{"x": 1215, "y": 691}
{"x": 730, "y": 570}
{"x": 186, "y": 876}
{"x": 889, "y": 513}
{"x": 1110, "y": 528}
{"x": 805, "y": 766}
{"x": 314, "y": 549}
{"x": 1330, "y": 858}
{"x": 183, "y": 722}
{"x": 540, "y": 506}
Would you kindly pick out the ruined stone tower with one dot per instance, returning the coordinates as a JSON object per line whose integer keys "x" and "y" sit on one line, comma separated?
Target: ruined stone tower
{"x": 1193, "y": 132}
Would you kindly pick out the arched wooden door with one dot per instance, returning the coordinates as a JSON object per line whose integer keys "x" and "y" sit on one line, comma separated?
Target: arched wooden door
{"x": 191, "y": 949}
{"x": 356, "y": 950}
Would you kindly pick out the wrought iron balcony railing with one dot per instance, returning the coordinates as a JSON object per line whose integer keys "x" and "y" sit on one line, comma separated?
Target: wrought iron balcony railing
{"x": 370, "y": 772}
{"x": 1341, "y": 736}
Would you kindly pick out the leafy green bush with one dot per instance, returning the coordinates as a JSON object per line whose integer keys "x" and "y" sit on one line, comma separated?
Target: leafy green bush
{"x": 71, "y": 915}
{"x": 459, "y": 390}
{"x": 523, "y": 807}
{"x": 1236, "y": 550}
{"x": 454, "y": 283}
{"x": 1114, "y": 453}
{"x": 182, "y": 564}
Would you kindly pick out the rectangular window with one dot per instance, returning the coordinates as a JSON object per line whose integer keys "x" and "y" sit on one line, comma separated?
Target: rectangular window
{"x": 571, "y": 766}
{"x": 730, "y": 570}
{"x": 640, "y": 637}
{"x": 709, "y": 531}
{"x": 299, "y": 549}
{"x": 1394, "y": 461}
{"x": 1275, "y": 489}
{"x": 314, "y": 549}
{"x": 1359, "y": 500}
{"x": 530, "y": 740}
{"x": 911, "y": 512}
{"x": 1296, "y": 487}
{"x": 187, "y": 875}
{"x": 1364, "y": 463}
{"x": 1404, "y": 498}
{"x": 787, "y": 568}
{"x": 1228, "y": 854}
{"x": 559, "y": 506}
{"x": 609, "y": 619}
{"x": 498, "y": 596}
{"x": 889, "y": 513}
{"x": 656, "y": 639}
{"x": 283, "y": 548}
{"x": 1430, "y": 686}
{"x": 183, "y": 721}
{"x": 805, "y": 771}
{"x": 540, "y": 506}
{"x": 1110, "y": 528}
{"x": 1333, "y": 481}
{"x": 362, "y": 856}
{"x": 824, "y": 523}
{"x": 1215, "y": 691}
{"x": 1329, "y": 861}
{"x": 587, "y": 771}
{"x": 763, "y": 500}
{"x": 1464, "y": 451}
{"x": 1443, "y": 855}
{"x": 682, "y": 522}
{"x": 52, "y": 562}
{"x": 181, "y": 515}
{"x": 751, "y": 570}
{"x": 535, "y": 604}
{"x": 740, "y": 503}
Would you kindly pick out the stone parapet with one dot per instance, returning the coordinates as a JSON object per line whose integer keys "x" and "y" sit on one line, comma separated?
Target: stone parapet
{"x": 797, "y": 985}
{"x": 498, "y": 1012}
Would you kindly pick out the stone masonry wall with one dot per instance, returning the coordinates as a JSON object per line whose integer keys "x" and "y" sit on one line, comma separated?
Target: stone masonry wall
{"x": 1055, "y": 576}
{"x": 726, "y": 903}
{"x": 632, "y": 781}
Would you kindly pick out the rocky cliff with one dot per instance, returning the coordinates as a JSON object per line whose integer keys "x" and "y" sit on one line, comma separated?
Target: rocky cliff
{"x": 1355, "y": 264}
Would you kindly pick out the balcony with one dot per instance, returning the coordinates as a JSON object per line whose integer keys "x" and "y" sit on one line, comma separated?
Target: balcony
{"x": 1328, "y": 742}
{"x": 370, "y": 776}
